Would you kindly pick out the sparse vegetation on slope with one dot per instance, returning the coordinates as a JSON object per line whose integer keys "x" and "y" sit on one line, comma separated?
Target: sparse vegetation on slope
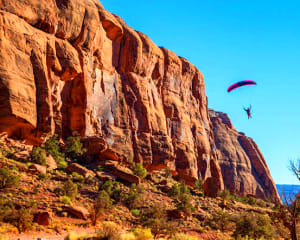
{"x": 158, "y": 207}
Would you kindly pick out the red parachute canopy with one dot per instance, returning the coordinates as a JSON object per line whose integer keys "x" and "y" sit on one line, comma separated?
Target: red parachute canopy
{"x": 240, "y": 84}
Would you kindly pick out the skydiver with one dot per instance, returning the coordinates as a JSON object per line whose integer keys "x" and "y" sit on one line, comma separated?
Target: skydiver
{"x": 248, "y": 111}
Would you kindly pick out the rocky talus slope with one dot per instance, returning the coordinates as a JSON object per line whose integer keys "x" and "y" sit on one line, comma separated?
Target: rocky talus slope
{"x": 243, "y": 166}
{"x": 72, "y": 68}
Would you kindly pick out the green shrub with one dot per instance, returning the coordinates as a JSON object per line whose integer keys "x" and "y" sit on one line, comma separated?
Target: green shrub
{"x": 109, "y": 231}
{"x": 222, "y": 220}
{"x": 21, "y": 218}
{"x": 199, "y": 185}
{"x": 113, "y": 188}
{"x": 174, "y": 191}
{"x": 139, "y": 170}
{"x": 183, "y": 236}
{"x": 2, "y": 237}
{"x": 8, "y": 179}
{"x": 133, "y": 198}
{"x": 77, "y": 177}
{"x": 101, "y": 203}
{"x": 225, "y": 194}
{"x": 135, "y": 212}
{"x": 142, "y": 234}
{"x": 65, "y": 199}
{"x": 167, "y": 173}
{"x": 108, "y": 186}
{"x": 38, "y": 155}
{"x": 62, "y": 164}
{"x": 52, "y": 146}
{"x": 185, "y": 204}
{"x": 116, "y": 192}
{"x": 73, "y": 147}
{"x": 100, "y": 169}
{"x": 70, "y": 189}
{"x": 183, "y": 196}
{"x": 254, "y": 226}
{"x": 156, "y": 219}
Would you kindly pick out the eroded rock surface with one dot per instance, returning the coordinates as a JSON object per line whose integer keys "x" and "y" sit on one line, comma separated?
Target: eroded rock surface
{"x": 72, "y": 68}
{"x": 243, "y": 166}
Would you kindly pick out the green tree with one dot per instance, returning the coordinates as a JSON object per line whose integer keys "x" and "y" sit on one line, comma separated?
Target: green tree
{"x": 101, "y": 203}
{"x": 255, "y": 226}
{"x": 70, "y": 189}
{"x": 38, "y": 155}
{"x": 52, "y": 146}
{"x": 8, "y": 179}
{"x": 139, "y": 170}
{"x": 156, "y": 219}
{"x": 73, "y": 147}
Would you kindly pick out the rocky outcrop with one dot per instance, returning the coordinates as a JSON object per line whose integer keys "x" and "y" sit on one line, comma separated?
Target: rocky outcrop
{"x": 81, "y": 170}
{"x": 72, "y": 68}
{"x": 243, "y": 166}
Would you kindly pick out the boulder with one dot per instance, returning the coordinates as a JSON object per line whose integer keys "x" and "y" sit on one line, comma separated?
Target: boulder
{"x": 42, "y": 217}
{"x": 77, "y": 211}
{"x": 37, "y": 169}
{"x": 122, "y": 173}
{"x": 22, "y": 156}
{"x": 51, "y": 163}
{"x": 94, "y": 145}
{"x": 75, "y": 167}
{"x": 104, "y": 176}
{"x": 201, "y": 215}
{"x": 175, "y": 213}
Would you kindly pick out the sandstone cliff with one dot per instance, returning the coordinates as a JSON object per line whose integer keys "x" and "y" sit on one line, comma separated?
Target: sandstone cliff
{"x": 72, "y": 68}
{"x": 243, "y": 166}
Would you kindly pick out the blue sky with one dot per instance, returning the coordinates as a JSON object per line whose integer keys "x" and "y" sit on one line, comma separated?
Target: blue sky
{"x": 230, "y": 41}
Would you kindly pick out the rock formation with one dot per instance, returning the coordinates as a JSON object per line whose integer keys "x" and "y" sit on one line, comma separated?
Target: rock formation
{"x": 243, "y": 166}
{"x": 72, "y": 68}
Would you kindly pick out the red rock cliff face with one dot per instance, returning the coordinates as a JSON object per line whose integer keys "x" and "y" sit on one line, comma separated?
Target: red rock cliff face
{"x": 243, "y": 166}
{"x": 70, "y": 67}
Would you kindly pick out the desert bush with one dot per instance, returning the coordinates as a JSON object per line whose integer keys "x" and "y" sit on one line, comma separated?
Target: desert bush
{"x": 113, "y": 188}
{"x": 183, "y": 236}
{"x": 139, "y": 170}
{"x": 135, "y": 212}
{"x": 8, "y": 179}
{"x": 185, "y": 204}
{"x": 109, "y": 231}
{"x": 70, "y": 189}
{"x": 174, "y": 191}
{"x": 133, "y": 198}
{"x": 142, "y": 234}
{"x": 100, "y": 204}
{"x": 74, "y": 148}
{"x": 225, "y": 194}
{"x": 77, "y": 177}
{"x": 183, "y": 196}
{"x": 107, "y": 186}
{"x": 254, "y": 226}
{"x": 21, "y": 218}
{"x": 117, "y": 192}
{"x": 38, "y": 155}
{"x": 156, "y": 219}
{"x": 2, "y": 237}
{"x": 222, "y": 220}
{"x": 65, "y": 199}
{"x": 199, "y": 185}
{"x": 167, "y": 173}
{"x": 52, "y": 146}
